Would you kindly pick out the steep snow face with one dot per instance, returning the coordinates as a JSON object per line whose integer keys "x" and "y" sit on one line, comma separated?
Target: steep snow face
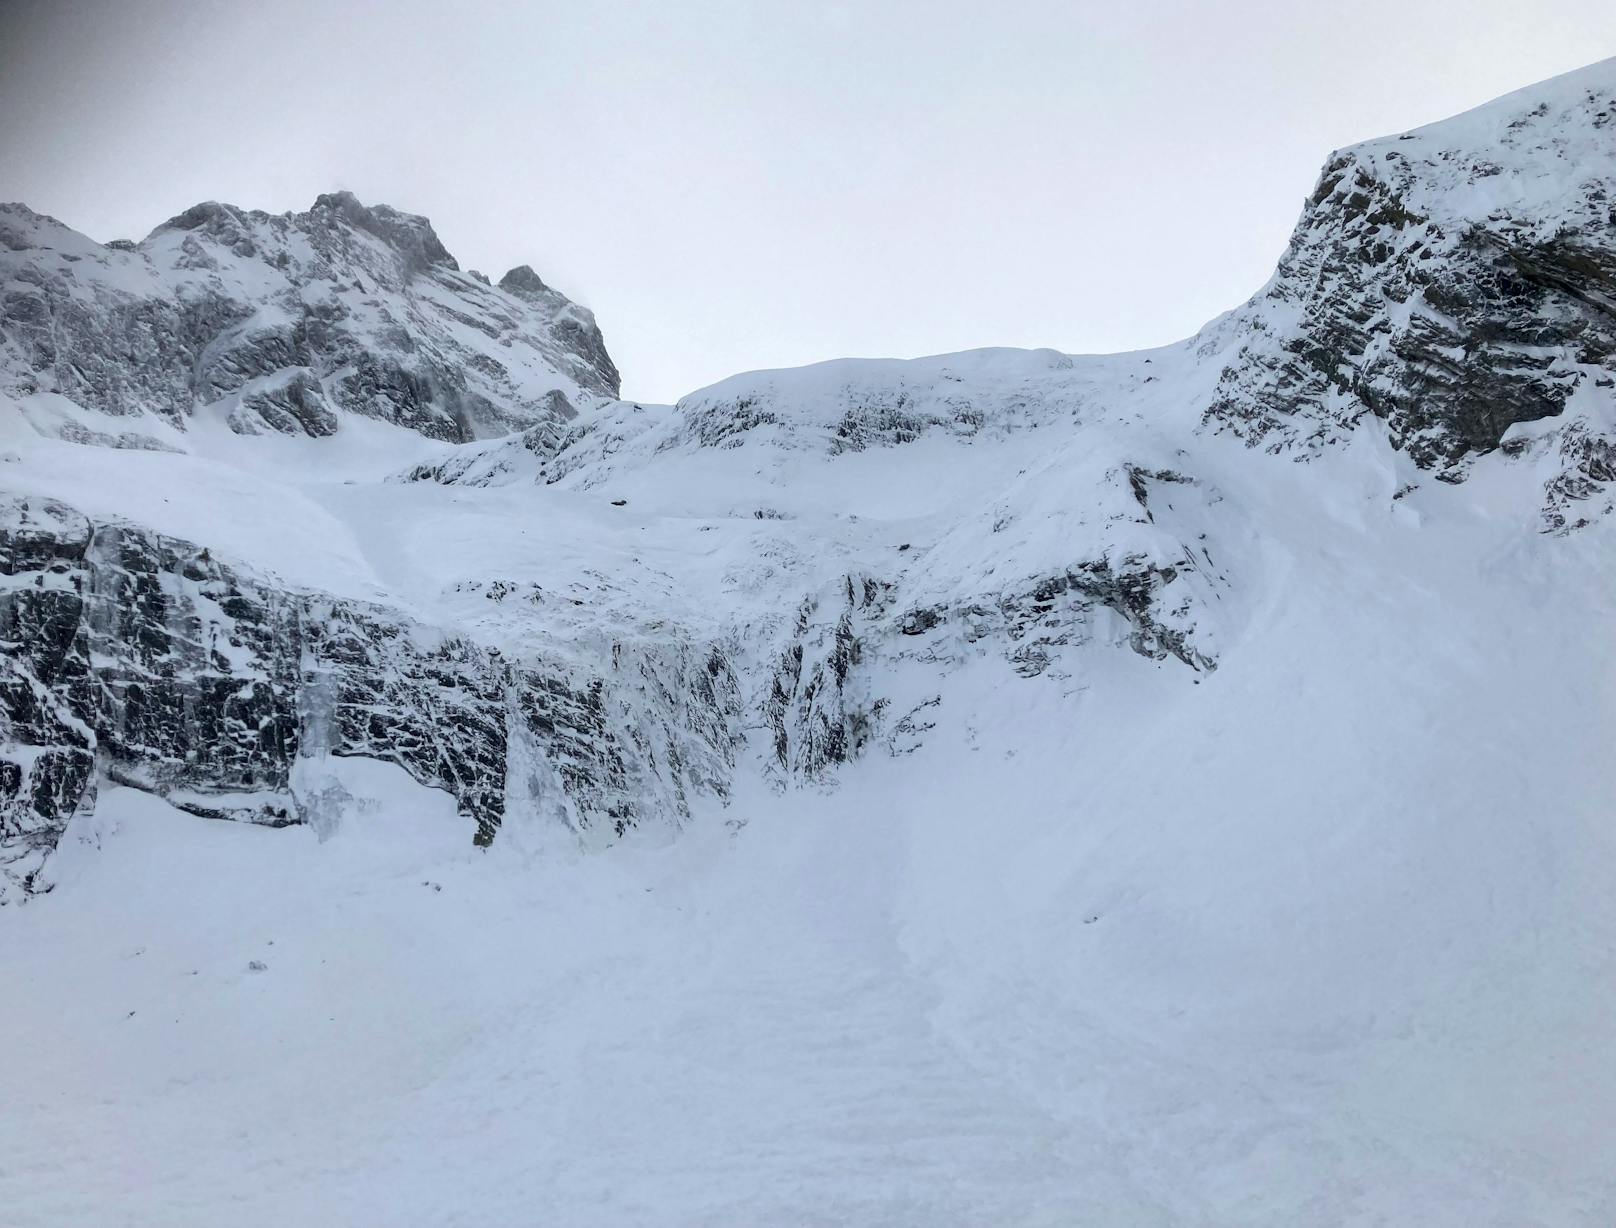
{"x": 286, "y": 324}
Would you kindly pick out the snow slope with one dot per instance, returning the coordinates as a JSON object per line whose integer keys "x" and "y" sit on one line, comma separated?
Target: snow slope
{"x": 1326, "y": 939}
{"x": 1000, "y": 788}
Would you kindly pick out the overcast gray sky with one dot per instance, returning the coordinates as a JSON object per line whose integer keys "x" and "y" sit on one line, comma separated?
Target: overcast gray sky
{"x": 737, "y": 185}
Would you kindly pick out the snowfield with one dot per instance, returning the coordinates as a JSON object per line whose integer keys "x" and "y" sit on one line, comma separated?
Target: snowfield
{"x": 1326, "y": 937}
{"x": 1139, "y": 789}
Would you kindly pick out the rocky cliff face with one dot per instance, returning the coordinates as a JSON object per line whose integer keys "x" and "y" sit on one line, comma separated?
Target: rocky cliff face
{"x": 142, "y": 660}
{"x": 1457, "y": 282}
{"x": 285, "y": 324}
{"x": 606, "y": 615}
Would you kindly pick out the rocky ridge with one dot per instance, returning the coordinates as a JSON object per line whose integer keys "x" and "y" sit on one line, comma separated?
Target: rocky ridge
{"x": 282, "y": 324}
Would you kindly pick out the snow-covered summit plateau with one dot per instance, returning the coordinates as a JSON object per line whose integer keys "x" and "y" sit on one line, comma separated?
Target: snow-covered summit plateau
{"x": 1160, "y": 788}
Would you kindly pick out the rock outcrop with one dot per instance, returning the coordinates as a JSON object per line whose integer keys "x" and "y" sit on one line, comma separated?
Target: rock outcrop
{"x": 142, "y": 660}
{"x": 1456, "y": 282}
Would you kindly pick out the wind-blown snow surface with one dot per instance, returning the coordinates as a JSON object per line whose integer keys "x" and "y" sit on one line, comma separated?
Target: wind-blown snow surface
{"x": 1231, "y": 841}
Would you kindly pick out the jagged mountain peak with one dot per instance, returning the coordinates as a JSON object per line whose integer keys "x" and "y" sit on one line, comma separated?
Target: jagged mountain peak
{"x": 409, "y": 234}
{"x": 523, "y": 280}
{"x": 1538, "y": 123}
{"x": 286, "y": 323}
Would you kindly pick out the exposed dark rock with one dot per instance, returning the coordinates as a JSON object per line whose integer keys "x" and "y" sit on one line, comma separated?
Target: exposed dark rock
{"x": 143, "y": 660}
{"x": 1452, "y": 329}
{"x": 818, "y": 710}
{"x": 47, "y": 770}
{"x": 524, "y": 281}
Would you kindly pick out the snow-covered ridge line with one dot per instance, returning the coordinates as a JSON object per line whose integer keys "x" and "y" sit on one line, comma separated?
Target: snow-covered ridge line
{"x": 1457, "y": 283}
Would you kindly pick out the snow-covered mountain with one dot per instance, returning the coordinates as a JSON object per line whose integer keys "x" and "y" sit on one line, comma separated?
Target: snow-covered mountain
{"x": 288, "y": 324}
{"x": 1240, "y": 705}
